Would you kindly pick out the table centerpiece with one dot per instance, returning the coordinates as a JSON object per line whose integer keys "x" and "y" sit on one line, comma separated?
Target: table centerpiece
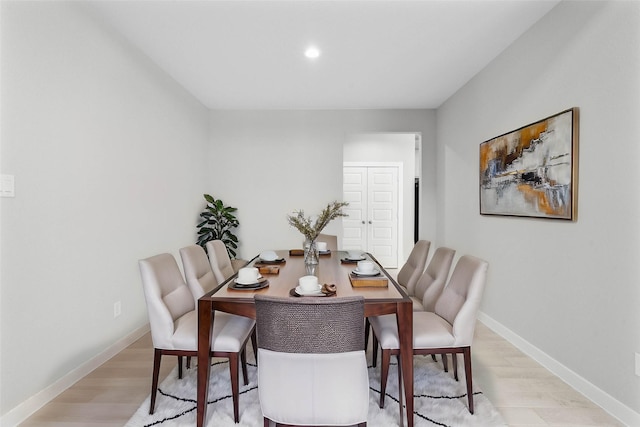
{"x": 311, "y": 229}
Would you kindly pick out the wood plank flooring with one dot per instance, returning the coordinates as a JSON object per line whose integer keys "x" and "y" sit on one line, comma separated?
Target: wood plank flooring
{"x": 525, "y": 393}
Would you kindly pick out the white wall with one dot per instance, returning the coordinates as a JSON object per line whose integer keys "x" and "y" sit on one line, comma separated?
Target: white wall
{"x": 569, "y": 289}
{"x": 270, "y": 163}
{"x": 108, "y": 158}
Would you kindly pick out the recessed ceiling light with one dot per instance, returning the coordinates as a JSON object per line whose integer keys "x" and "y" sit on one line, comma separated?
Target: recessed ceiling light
{"x": 312, "y": 52}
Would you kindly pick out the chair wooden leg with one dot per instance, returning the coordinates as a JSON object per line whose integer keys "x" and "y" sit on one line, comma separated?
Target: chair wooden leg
{"x": 235, "y": 389}
{"x": 243, "y": 358}
{"x": 367, "y": 327}
{"x": 157, "y": 356}
{"x": 180, "y": 367}
{"x": 385, "y": 359}
{"x": 254, "y": 345}
{"x": 188, "y": 362}
{"x": 466, "y": 351}
{"x": 374, "y": 351}
{"x": 445, "y": 362}
{"x": 454, "y": 362}
{"x": 433, "y": 356}
{"x": 400, "y": 387}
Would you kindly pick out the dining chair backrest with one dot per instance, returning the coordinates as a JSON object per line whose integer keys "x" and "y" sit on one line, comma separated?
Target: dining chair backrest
{"x": 460, "y": 300}
{"x": 197, "y": 270}
{"x": 219, "y": 260}
{"x": 431, "y": 283}
{"x": 306, "y": 325}
{"x": 413, "y": 268}
{"x": 331, "y": 240}
{"x": 309, "y": 348}
{"x": 167, "y": 296}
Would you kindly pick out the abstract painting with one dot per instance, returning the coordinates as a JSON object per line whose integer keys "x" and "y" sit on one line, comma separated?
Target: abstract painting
{"x": 532, "y": 171}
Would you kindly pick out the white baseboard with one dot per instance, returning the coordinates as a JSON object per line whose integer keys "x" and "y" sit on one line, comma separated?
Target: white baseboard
{"x": 614, "y": 407}
{"x": 37, "y": 401}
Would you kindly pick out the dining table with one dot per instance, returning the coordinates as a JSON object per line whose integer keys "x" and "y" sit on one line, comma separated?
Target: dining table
{"x": 333, "y": 268}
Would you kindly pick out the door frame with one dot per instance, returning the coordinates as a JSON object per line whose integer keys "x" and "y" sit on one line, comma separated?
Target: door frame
{"x": 400, "y": 193}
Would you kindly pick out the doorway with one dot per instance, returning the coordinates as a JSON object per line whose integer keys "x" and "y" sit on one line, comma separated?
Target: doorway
{"x": 401, "y": 150}
{"x": 372, "y": 222}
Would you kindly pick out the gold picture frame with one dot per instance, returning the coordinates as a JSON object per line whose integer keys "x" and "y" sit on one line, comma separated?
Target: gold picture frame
{"x": 532, "y": 171}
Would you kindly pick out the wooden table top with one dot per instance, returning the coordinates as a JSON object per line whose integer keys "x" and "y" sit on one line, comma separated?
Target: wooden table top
{"x": 330, "y": 270}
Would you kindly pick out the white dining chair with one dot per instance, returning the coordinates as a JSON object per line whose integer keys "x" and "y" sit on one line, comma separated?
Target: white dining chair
{"x": 414, "y": 266}
{"x": 313, "y": 369}
{"x": 197, "y": 271}
{"x": 174, "y": 323}
{"x": 330, "y": 240}
{"x": 430, "y": 285}
{"x": 448, "y": 329}
{"x": 222, "y": 265}
{"x": 409, "y": 273}
{"x": 428, "y": 290}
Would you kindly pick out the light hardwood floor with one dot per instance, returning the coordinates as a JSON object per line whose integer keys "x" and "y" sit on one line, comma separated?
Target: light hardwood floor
{"x": 525, "y": 393}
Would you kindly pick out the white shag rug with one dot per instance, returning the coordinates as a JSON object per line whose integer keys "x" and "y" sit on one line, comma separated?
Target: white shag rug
{"x": 439, "y": 400}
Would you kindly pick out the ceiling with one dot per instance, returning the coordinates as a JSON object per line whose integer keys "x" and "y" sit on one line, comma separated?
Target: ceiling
{"x": 375, "y": 54}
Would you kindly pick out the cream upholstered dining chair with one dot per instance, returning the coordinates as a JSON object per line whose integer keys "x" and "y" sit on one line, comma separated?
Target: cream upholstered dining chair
{"x": 313, "y": 369}
{"x": 174, "y": 323}
{"x": 331, "y": 240}
{"x": 200, "y": 279}
{"x": 197, "y": 271}
{"x": 222, "y": 265}
{"x": 429, "y": 287}
{"x": 414, "y": 266}
{"x": 449, "y": 329}
{"x": 409, "y": 273}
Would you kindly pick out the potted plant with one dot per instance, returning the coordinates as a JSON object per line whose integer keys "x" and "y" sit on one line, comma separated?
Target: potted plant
{"x": 218, "y": 223}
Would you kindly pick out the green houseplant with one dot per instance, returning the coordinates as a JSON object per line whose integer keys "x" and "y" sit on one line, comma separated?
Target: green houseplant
{"x": 218, "y": 223}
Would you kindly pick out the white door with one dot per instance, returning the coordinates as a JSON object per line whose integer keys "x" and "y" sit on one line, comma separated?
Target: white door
{"x": 372, "y": 224}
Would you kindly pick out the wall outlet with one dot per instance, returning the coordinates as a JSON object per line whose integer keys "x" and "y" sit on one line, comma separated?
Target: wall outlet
{"x": 117, "y": 309}
{"x": 638, "y": 364}
{"x": 7, "y": 186}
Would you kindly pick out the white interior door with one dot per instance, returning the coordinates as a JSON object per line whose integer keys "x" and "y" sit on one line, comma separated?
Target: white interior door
{"x": 372, "y": 224}
{"x": 354, "y": 225}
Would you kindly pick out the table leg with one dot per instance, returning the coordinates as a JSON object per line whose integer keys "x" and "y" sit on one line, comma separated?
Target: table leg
{"x": 205, "y": 317}
{"x": 405, "y": 332}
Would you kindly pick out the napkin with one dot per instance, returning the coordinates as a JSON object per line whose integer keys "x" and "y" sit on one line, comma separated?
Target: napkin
{"x": 329, "y": 289}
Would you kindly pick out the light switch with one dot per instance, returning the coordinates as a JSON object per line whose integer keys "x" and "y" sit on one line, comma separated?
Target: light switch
{"x": 7, "y": 186}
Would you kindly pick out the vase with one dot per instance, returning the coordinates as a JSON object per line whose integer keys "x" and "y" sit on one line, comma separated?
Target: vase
{"x": 310, "y": 252}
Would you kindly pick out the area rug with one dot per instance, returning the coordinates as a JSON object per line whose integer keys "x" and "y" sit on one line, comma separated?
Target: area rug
{"x": 439, "y": 400}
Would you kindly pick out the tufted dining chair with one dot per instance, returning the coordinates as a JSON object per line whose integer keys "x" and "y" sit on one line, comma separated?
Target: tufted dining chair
{"x": 414, "y": 266}
{"x": 330, "y": 239}
{"x": 197, "y": 271}
{"x": 222, "y": 265}
{"x": 428, "y": 290}
{"x": 200, "y": 279}
{"x": 448, "y": 329}
{"x": 174, "y": 323}
{"x": 409, "y": 274}
{"x": 313, "y": 369}
{"x": 431, "y": 283}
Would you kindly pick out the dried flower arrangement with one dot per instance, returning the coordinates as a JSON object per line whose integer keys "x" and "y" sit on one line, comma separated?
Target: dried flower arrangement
{"x": 311, "y": 229}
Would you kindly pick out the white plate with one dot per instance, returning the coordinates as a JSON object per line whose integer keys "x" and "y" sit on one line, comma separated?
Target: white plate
{"x": 251, "y": 282}
{"x": 362, "y": 273}
{"x": 301, "y": 292}
{"x": 355, "y": 259}
{"x": 328, "y": 251}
